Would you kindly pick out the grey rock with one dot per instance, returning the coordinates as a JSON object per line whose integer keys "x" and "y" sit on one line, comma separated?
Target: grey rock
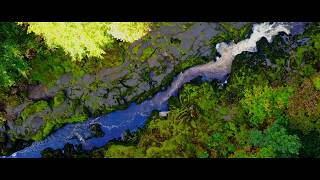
{"x": 144, "y": 86}
{"x": 209, "y": 33}
{"x": 111, "y": 101}
{"x": 174, "y": 51}
{"x": 36, "y": 123}
{"x": 158, "y": 78}
{"x": 131, "y": 82}
{"x": 88, "y": 79}
{"x": 65, "y": 79}
{"x": 14, "y": 112}
{"x": 101, "y": 92}
{"x": 239, "y": 25}
{"x": 38, "y": 92}
{"x": 153, "y": 63}
{"x": 74, "y": 93}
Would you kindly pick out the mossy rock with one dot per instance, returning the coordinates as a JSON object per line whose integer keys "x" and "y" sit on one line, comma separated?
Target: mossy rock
{"x": 57, "y": 123}
{"x": 135, "y": 50}
{"x": 33, "y": 108}
{"x": 147, "y": 53}
{"x": 58, "y": 99}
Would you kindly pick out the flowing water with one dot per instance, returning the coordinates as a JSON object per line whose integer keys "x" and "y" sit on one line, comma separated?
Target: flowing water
{"x": 116, "y": 123}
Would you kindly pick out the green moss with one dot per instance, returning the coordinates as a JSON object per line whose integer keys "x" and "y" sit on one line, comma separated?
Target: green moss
{"x": 58, "y": 99}
{"x": 135, "y": 50}
{"x": 33, "y": 108}
{"x": 147, "y": 53}
{"x": 57, "y": 123}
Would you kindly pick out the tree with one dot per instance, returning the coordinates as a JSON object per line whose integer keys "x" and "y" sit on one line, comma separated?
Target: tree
{"x": 304, "y": 108}
{"x": 263, "y": 103}
{"x": 277, "y": 139}
{"x": 80, "y": 39}
{"x": 77, "y": 38}
{"x": 13, "y": 64}
{"x": 128, "y": 31}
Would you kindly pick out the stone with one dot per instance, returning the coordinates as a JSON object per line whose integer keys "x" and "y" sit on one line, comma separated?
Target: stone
{"x": 164, "y": 113}
{"x": 158, "y": 78}
{"x": 38, "y": 92}
{"x": 101, "y": 92}
{"x": 88, "y": 79}
{"x": 65, "y": 79}
{"x": 132, "y": 82}
{"x": 36, "y": 123}
{"x": 174, "y": 51}
{"x": 74, "y": 93}
{"x": 144, "y": 86}
{"x": 153, "y": 63}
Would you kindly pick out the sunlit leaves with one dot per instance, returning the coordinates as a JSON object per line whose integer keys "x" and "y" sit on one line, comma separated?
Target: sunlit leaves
{"x": 263, "y": 102}
{"x": 76, "y": 38}
{"x": 128, "y": 31}
{"x": 81, "y": 39}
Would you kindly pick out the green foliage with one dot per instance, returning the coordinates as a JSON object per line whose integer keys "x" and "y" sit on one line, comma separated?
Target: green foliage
{"x": 58, "y": 99}
{"x": 77, "y": 38}
{"x": 128, "y": 31}
{"x": 304, "y": 108}
{"x": 262, "y": 103}
{"x": 276, "y": 138}
{"x": 147, "y": 53}
{"x": 120, "y": 151}
{"x": 54, "y": 62}
{"x": 57, "y": 63}
{"x": 236, "y": 34}
{"x": 203, "y": 154}
{"x": 316, "y": 81}
{"x": 55, "y": 124}
{"x": 265, "y": 152}
{"x": 13, "y": 45}
{"x": 231, "y": 33}
{"x": 258, "y": 114}
{"x": 310, "y": 145}
{"x": 34, "y": 108}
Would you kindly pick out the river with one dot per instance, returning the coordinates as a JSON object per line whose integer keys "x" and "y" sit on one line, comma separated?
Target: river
{"x": 135, "y": 116}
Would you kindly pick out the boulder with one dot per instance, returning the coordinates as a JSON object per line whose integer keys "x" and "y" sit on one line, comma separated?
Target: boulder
{"x": 38, "y": 92}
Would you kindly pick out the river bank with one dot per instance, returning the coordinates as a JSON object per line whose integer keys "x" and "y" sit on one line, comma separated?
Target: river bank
{"x": 173, "y": 48}
{"x": 146, "y": 107}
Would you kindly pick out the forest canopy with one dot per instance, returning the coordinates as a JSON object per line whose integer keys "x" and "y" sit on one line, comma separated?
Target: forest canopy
{"x": 80, "y": 39}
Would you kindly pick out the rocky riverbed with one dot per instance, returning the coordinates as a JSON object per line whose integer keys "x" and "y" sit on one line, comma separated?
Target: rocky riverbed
{"x": 117, "y": 122}
{"x": 149, "y": 63}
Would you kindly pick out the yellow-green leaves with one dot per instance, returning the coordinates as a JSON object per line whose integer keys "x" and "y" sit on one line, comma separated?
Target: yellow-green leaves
{"x": 262, "y": 103}
{"x": 128, "y": 31}
{"x": 80, "y": 39}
